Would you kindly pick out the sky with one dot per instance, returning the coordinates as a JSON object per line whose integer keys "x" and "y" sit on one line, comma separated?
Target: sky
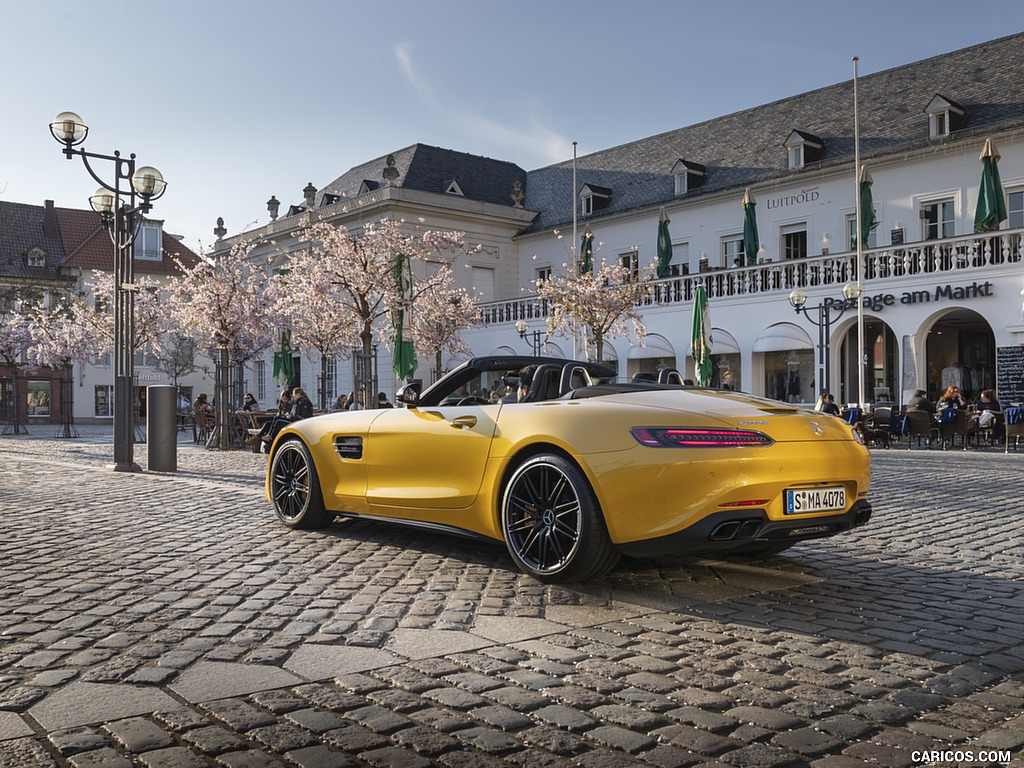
{"x": 237, "y": 100}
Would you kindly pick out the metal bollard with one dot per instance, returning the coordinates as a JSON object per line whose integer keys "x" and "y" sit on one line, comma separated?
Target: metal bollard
{"x": 162, "y": 427}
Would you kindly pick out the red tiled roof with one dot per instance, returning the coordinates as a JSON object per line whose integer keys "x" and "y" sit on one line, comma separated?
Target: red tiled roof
{"x": 88, "y": 245}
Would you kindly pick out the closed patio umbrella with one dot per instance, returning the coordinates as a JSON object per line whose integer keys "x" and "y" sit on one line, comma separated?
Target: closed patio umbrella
{"x": 991, "y": 208}
{"x": 701, "y": 336}
{"x": 751, "y": 240}
{"x": 664, "y": 246}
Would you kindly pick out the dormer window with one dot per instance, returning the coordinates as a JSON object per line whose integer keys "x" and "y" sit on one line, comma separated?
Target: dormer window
{"x": 35, "y": 257}
{"x": 453, "y": 188}
{"x": 803, "y": 148}
{"x": 944, "y": 117}
{"x": 368, "y": 186}
{"x": 593, "y": 198}
{"x": 687, "y": 175}
{"x": 329, "y": 199}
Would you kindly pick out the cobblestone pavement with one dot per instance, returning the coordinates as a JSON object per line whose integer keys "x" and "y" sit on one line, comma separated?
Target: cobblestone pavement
{"x": 165, "y": 620}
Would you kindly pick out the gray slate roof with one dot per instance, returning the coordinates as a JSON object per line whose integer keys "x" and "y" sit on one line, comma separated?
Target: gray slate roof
{"x": 746, "y": 147}
{"x": 21, "y": 226}
{"x": 432, "y": 169}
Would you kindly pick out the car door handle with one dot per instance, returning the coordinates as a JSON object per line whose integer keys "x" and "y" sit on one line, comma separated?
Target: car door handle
{"x": 464, "y": 422}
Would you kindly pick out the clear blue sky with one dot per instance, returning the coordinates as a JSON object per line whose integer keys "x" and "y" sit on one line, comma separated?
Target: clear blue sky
{"x": 238, "y": 100}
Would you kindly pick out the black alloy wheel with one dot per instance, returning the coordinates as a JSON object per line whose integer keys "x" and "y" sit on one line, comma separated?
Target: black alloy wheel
{"x": 552, "y": 524}
{"x": 295, "y": 488}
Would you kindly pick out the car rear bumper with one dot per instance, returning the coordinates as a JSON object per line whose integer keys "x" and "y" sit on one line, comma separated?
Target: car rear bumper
{"x": 734, "y": 531}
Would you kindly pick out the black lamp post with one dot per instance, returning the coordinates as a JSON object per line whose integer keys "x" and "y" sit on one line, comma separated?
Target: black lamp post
{"x": 537, "y": 338}
{"x": 828, "y": 312}
{"x": 119, "y": 206}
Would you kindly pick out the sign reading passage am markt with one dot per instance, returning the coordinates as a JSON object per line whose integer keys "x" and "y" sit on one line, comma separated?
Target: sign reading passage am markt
{"x": 1010, "y": 374}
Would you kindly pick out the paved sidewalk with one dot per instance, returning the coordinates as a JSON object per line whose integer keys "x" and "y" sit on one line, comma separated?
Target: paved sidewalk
{"x": 165, "y": 619}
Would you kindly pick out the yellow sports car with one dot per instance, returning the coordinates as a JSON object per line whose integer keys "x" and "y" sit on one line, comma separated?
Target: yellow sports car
{"x": 569, "y": 469}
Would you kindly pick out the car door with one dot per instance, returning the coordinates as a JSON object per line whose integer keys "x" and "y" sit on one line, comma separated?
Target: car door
{"x": 428, "y": 458}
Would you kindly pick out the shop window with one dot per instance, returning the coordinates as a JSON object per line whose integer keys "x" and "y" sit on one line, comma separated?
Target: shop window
{"x": 104, "y": 402}
{"x": 38, "y": 398}
{"x": 937, "y": 220}
{"x": 1015, "y": 210}
{"x": 789, "y": 375}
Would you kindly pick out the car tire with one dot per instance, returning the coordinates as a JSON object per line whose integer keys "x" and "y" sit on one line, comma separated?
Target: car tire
{"x": 295, "y": 488}
{"x": 552, "y": 523}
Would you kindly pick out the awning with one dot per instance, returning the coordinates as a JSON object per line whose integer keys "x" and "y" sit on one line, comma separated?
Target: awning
{"x": 782, "y": 337}
{"x": 724, "y": 343}
{"x": 654, "y": 346}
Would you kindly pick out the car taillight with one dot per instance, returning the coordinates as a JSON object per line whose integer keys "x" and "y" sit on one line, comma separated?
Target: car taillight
{"x": 698, "y": 437}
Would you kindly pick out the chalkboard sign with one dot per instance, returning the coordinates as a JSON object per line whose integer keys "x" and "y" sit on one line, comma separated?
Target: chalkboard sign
{"x": 1010, "y": 374}
{"x": 896, "y": 236}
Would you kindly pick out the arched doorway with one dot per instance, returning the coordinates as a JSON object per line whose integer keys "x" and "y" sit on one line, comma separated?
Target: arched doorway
{"x": 657, "y": 353}
{"x": 787, "y": 361}
{"x": 725, "y": 359}
{"x": 960, "y": 350}
{"x": 881, "y": 364}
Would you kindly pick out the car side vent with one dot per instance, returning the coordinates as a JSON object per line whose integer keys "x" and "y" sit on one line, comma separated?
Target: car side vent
{"x": 349, "y": 447}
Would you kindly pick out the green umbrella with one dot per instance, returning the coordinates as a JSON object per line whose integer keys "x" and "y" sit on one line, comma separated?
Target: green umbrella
{"x": 284, "y": 363}
{"x": 751, "y": 241}
{"x": 991, "y": 203}
{"x": 404, "y": 362}
{"x": 701, "y": 336}
{"x": 664, "y": 246}
{"x": 867, "y": 209}
{"x": 587, "y": 253}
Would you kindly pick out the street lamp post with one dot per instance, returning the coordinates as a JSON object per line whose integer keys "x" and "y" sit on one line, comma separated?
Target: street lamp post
{"x": 119, "y": 206}
{"x": 537, "y": 338}
{"x": 828, "y": 312}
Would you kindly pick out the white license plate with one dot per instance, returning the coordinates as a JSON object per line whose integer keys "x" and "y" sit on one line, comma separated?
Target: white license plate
{"x": 802, "y": 501}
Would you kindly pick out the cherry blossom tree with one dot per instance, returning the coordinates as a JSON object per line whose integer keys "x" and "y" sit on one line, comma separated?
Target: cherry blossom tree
{"x": 15, "y": 340}
{"x": 308, "y": 299}
{"x": 362, "y": 274}
{"x": 440, "y": 315}
{"x": 61, "y": 339}
{"x": 151, "y": 316}
{"x": 223, "y": 305}
{"x": 603, "y": 300}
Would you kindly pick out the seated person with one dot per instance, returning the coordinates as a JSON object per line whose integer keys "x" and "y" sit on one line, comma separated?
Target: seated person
{"x": 952, "y": 398}
{"x": 920, "y": 402}
{"x": 525, "y": 381}
{"x": 990, "y": 414}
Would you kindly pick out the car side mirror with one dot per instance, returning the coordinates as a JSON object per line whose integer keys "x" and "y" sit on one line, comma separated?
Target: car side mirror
{"x": 409, "y": 394}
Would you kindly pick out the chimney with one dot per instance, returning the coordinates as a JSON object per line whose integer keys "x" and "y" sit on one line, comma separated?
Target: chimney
{"x": 49, "y": 219}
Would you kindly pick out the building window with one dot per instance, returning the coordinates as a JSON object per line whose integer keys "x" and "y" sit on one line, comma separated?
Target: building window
{"x": 803, "y": 148}
{"x": 144, "y": 357}
{"x": 851, "y": 233}
{"x": 593, "y": 198}
{"x": 1015, "y": 210}
{"x": 937, "y": 220}
{"x": 259, "y": 375}
{"x": 147, "y": 243}
{"x": 680, "y": 264}
{"x": 794, "y": 241}
{"x": 944, "y": 117}
{"x": 36, "y": 257}
{"x": 38, "y": 398}
{"x": 543, "y": 274}
{"x": 483, "y": 283}
{"x": 104, "y": 403}
{"x": 630, "y": 263}
{"x": 687, "y": 175}
{"x": 732, "y": 249}
{"x": 331, "y": 384}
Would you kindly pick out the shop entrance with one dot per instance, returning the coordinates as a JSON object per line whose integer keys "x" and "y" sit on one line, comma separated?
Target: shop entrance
{"x": 881, "y": 357}
{"x": 960, "y": 351}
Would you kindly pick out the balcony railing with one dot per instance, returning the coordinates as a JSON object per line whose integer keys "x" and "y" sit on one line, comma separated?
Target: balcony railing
{"x": 953, "y": 256}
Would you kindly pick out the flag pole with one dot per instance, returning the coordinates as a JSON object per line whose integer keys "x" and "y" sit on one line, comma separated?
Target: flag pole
{"x": 860, "y": 245}
{"x": 575, "y": 251}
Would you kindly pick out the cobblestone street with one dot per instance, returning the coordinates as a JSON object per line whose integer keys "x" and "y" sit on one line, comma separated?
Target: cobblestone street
{"x": 166, "y": 620}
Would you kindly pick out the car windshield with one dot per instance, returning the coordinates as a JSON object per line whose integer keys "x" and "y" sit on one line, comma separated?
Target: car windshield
{"x": 483, "y": 387}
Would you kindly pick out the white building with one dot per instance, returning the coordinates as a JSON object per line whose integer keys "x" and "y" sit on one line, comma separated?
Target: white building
{"x": 940, "y": 303}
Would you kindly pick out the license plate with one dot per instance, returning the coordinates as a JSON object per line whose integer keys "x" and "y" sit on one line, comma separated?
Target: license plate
{"x": 802, "y": 501}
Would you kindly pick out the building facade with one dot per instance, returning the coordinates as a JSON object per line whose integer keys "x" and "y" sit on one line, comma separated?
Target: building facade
{"x": 941, "y": 302}
{"x": 49, "y": 254}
